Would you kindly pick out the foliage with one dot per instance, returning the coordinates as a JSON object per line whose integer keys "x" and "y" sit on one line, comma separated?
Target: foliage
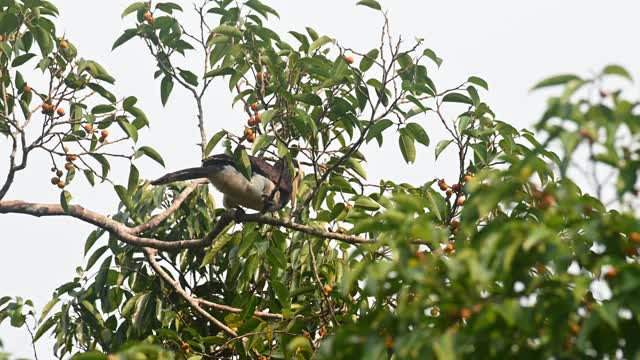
{"x": 506, "y": 261}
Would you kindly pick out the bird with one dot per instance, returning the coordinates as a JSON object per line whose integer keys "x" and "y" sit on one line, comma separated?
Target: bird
{"x": 270, "y": 188}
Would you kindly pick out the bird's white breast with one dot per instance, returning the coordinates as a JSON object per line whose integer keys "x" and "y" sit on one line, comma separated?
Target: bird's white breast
{"x": 239, "y": 190}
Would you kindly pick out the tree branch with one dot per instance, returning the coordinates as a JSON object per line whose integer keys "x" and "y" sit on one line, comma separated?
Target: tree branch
{"x": 150, "y": 255}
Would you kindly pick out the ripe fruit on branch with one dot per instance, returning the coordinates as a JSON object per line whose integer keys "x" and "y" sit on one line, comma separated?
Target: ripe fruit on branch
{"x": 68, "y": 166}
{"x": 26, "y": 89}
{"x": 88, "y": 128}
{"x": 60, "y": 111}
{"x": 61, "y": 184}
{"x": 349, "y": 59}
{"x": 443, "y": 185}
{"x": 104, "y": 133}
{"x": 254, "y": 106}
{"x": 251, "y": 122}
{"x": 64, "y": 44}
{"x": 258, "y": 117}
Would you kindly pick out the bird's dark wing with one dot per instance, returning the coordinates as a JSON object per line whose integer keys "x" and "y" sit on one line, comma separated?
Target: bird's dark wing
{"x": 182, "y": 175}
{"x": 278, "y": 173}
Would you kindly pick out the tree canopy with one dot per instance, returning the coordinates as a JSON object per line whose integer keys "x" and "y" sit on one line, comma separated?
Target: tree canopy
{"x": 499, "y": 262}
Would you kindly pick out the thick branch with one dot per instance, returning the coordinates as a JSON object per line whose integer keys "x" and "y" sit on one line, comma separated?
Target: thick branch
{"x": 230, "y": 309}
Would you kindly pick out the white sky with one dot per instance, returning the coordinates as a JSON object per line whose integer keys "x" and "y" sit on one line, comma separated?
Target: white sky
{"x": 511, "y": 44}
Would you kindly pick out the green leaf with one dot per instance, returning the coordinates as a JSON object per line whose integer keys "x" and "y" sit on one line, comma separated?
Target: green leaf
{"x": 261, "y": 8}
{"x": 44, "y": 40}
{"x": 267, "y": 116}
{"x": 441, "y": 146}
{"x": 408, "y": 148}
{"x": 617, "y": 70}
{"x": 366, "y": 203}
{"x": 189, "y": 77}
{"x": 418, "y": 133}
{"x": 126, "y": 36}
{"x": 150, "y": 152}
{"x": 134, "y": 176}
{"x": 556, "y": 80}
{"x": 42, "y": 329}
{"x": 222, "y": 71}
{"x": 356, "y": 166}
{"x": 129, "y": 129}
{"x": 261, "y": 142}
{"x": 457, "y": 98}
{"x": 124, "y": 197}
{"x": 166, "y": 86}
{"x": 368, "y": 60}
{"x": 282, "y": 293}
{"x": 370, "y": 3}
{"x": 102, "y": 109}
{"x": 242, "y": 162}
{"x": 215, "y": 139}
{"x": 276, "y": 257}
{"x": 319, "y": 43}
{"x": 65, "y": 200}
{"x": 432, "y": 55}
{"x": 376, "y": 129}
{"x": 103, "y": 162}
{"x": 227, "y": 30}
{"x": 478, "y": 81}
{"x": 437, "y": 204}
{"x": 134, "y": 7}
{"x": 90, "y": 177}
{"x": 308, "y": 98}
{"x": 19, "y": 60}
{"x": 47, "y": 308}
{"x": 102, "y": 91}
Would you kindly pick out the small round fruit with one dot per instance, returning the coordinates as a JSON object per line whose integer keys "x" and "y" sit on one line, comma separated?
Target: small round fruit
{"x": 73, "y": 157}
{"x": 341, "y": 230}
{"x": 258, "y": 117}
{"x": 59, "y": 173}
{"x": 61, "y": 184}
{"x": 347, "y": 206}
{"x": 88, "y": 128}
{"x": 450, "y": 248}
{"x": 252, "y": 122}
{"x": 53, "y": 169}
{"x": 454, "y": 224}
{"x": 611, "y": 273}
{"x": 349, "y": 59}
{"x": 443, "y": 185}
{"x": 635, "y": 237}
{"x": 68, "y": 166}
{"x": 455, "y": 187}
{"x": 259, "y": 76}
{"x": 60, "y": 111}
{"x": 465, "y": 313}
{"x": 460, "y": 201}
{"x": 64, "y": 44}
{"x": 254, "y": 106}
{"x": 467, "y": 178}
{"x": 26, "y": 89}
{"x": 574, "y": 328}
{"x": 46, "y": 107}
{"x": 251, "y": 138}
{"x": 184, "y": 346}
{"x": 434, "y": 312}
{"x": 55, "y": 180}
{"x": 66, "y": 149}
{"x": 102, "y": 140}
{"x": 104, "y": 133}
{"x": 248, "y": 133}
{"x": 449, "y": 192}
{"x": 327, "y": 288}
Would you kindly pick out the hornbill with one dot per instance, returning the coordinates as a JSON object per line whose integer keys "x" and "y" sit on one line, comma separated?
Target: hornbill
{"x": 259, "y": 193}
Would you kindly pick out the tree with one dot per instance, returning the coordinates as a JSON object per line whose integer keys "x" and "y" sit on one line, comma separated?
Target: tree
{"x": 498, "y": 262}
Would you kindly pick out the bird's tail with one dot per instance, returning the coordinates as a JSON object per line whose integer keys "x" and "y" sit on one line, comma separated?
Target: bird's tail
{"x": 182, "y": 175}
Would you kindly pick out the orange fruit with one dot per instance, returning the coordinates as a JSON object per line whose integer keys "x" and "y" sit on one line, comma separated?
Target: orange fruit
{"x": 104, "y": 133}
{"x": 68, "y": 166}
{"x": 60, "y": 111}
{"x": 251, "y": 122}
{"x": 26, "y": 89}
{"x": 258, "y": 117}
{"x": 327, "y": 288}
{"x": 443, "y": 185}
{"x": 635, "y": 237}
{"x": 61, "y": 184}
{"x": 248, "y": 133}
{"x": 349, "y": 59}
{"x": 465, "y": 313}
{"x": 64, "y": 44}
{"x": 88, "y": 128}
{"x": 254, "y": 106}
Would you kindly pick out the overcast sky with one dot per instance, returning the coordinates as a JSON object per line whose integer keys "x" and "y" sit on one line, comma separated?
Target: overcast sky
{"x": 511, "y": 44}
